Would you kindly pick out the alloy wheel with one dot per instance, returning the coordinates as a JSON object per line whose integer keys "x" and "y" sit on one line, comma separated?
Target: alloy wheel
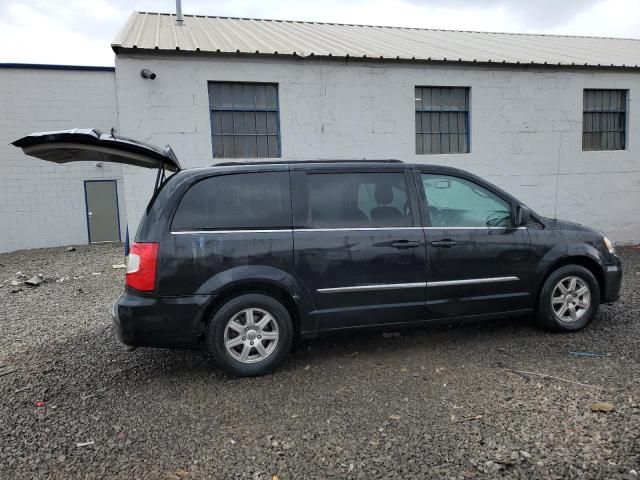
{"x": 251, "y": 335}
{"x": 570, "y": 299}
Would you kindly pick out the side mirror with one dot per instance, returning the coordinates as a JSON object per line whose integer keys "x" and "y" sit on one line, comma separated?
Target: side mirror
{"x": 522, "y": 215}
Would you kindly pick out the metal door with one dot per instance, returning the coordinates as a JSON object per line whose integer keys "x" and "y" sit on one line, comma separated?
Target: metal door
{"x": 103, "y": 219}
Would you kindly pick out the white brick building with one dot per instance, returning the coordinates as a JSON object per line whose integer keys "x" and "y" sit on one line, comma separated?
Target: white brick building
{"x": 43, "y": 204}
{"x": 521, "y": 126}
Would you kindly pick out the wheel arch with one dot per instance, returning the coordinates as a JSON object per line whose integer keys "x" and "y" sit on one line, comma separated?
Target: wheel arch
{"x": 269, "y": 280}
{"x": 585, "y": 261}
{"x": 262, "y": 286}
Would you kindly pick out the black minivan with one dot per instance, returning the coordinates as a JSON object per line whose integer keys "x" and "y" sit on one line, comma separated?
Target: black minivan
{"x": 247, "y": 257}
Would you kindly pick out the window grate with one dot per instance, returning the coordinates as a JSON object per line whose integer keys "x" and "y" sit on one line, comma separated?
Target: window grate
{"x": 245, "y": 120}
{"x": 604, "y": 119}
{"x": 442, "y": 120}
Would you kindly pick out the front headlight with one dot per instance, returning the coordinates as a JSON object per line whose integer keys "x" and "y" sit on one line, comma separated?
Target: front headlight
{"x": 609, "y": 245}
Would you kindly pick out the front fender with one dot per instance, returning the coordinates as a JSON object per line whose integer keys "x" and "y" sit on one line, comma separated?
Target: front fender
{"x": 560, "y": 253}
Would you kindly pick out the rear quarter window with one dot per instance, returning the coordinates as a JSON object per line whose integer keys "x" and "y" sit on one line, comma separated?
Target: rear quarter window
{"x": 236, "y": 201}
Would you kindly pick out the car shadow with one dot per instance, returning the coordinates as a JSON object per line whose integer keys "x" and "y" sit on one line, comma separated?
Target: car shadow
{"x": 109, "y": 363}
{"x": 353, "y": 342}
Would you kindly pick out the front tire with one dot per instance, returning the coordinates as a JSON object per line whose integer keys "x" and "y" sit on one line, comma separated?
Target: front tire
{"x": 250, "y": 335}
{"x": 569, "y": 299}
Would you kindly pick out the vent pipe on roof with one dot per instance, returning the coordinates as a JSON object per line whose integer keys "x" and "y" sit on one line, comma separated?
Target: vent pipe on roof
{"x": 179, "y": 18}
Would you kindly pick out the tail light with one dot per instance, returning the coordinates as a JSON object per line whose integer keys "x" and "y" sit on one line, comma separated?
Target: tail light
{"x": 141, "y": 266}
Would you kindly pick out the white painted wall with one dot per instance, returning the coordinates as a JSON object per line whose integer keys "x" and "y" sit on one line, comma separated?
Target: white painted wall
{"x": 526, "y": 125}
{"x": 42, "y": 204}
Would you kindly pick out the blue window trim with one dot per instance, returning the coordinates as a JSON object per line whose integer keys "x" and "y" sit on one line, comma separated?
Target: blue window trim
{"x": 275, "y": 110}
{"x": 624, "y": 115}
{"x": 466, "y": 111}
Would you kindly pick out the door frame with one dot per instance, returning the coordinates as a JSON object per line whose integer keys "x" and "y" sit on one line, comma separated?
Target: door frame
{"x": 302, "y": 222}
{"x": 86, "y": 208}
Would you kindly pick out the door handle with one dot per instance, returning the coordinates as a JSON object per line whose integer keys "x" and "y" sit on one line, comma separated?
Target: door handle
{"x": 91, "y": 214}
{"x": 405, "y": 244}
{"x": 444, "y": 243}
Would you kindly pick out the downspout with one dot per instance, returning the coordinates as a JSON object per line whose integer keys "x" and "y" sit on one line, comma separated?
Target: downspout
{"x": 179, "y": 18}
{"x": 555, "y": 207}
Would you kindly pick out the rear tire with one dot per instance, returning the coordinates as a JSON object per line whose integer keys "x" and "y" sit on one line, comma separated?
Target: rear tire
{"x": 250, "y": 335}
{"x": 569, "y": 299}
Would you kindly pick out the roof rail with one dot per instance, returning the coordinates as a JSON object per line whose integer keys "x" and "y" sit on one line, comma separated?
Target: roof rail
{"x": 227, "y": 164}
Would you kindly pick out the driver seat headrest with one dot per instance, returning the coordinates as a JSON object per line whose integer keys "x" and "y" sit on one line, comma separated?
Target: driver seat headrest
{"x": 383, "y": 194}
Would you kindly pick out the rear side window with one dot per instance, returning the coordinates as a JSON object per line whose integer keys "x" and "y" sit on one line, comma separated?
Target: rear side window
{"x": 236, "y": 201}
{"x": 358, "y": 200}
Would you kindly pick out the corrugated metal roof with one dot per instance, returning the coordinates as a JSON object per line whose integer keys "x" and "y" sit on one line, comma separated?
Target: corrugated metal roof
{"x": 159, "y": 31}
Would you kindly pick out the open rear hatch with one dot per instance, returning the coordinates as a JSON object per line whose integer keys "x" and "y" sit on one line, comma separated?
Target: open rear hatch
{"x": 87, "y": 144}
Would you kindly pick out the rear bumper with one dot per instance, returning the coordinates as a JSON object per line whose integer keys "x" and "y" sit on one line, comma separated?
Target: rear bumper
{"x": 165, "y": 322}
{"x": 612, "y": 282}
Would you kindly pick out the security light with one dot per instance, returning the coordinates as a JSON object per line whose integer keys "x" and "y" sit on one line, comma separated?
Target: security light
{"x": 146, "y": 73}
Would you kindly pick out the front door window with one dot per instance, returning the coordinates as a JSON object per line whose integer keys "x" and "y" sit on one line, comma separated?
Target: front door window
{"x": 456, "y": 202}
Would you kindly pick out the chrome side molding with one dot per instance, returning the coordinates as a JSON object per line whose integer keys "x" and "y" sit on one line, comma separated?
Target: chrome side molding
{"x": 396, "y": 286}
{"x": 379, "y": 286}
{"x": 472, "y": 281}
{"x": 211, "y": 232}
{"x": 357, "y": 229}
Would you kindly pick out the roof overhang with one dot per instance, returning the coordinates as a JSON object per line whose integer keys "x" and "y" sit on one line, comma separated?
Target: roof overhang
{"x": 147, "y": 32}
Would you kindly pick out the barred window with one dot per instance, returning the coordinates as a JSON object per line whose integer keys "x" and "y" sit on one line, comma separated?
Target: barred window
{"x": 604, "y": 119}
{"x": 244, "y": 120}
{"x": 442, "y": 120}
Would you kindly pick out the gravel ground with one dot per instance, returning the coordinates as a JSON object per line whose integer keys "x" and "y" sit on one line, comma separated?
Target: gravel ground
{"x": 429, "y": 403}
